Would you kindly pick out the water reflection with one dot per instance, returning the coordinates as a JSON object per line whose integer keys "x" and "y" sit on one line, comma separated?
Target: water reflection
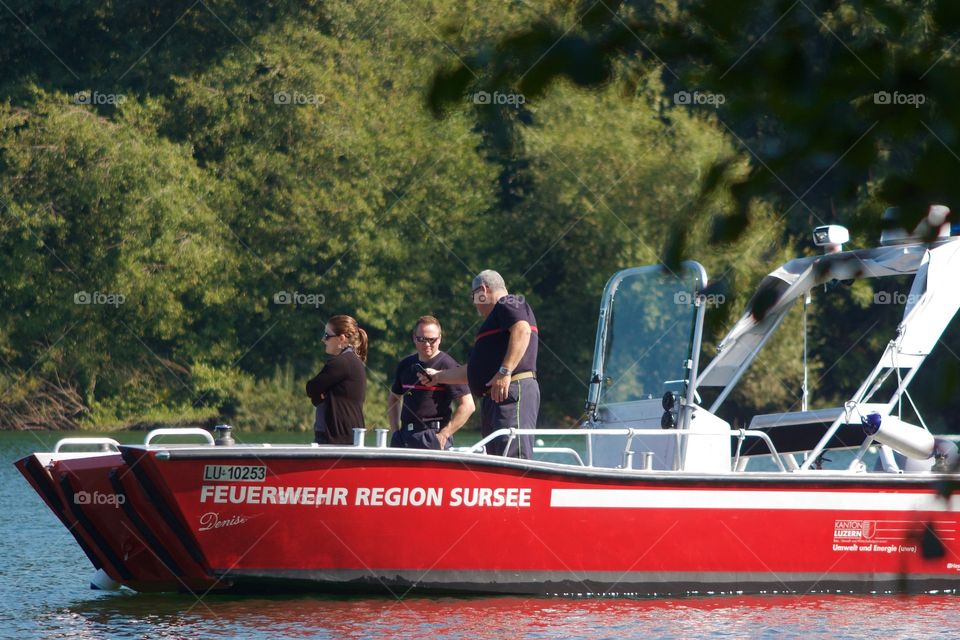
{"x": 140, "y": 616}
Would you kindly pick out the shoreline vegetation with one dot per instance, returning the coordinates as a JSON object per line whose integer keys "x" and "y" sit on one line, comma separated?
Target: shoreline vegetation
{"x": 275, "y": 404}
{"x": 195, "y": 228}
{"x": 177, "y": 227}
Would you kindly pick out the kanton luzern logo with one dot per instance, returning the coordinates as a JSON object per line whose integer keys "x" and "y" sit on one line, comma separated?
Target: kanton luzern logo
{"x": 854, "y": 529}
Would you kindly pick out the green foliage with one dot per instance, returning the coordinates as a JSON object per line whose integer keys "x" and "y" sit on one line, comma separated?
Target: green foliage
{"x": 375, "y": 406}
{"x": 273, "y": 404}
{"x": 120, "y": 416}
{"x": 279, "y": 403}
{"x": 107, "y": 251}
{"x": 825, "y": 94}
{"x": 272, "y": 151}
{"x": 224, "y": 388}
{"x": 341, "y": 194}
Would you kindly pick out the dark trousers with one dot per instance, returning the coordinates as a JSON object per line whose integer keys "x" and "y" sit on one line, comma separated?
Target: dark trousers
{"x": 425, "y": 438}
{"x": 519, "y": 411}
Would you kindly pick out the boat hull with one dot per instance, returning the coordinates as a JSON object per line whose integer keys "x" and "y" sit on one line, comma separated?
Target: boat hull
{"x": 268, "y": 519}
{"x": 117, "y": 524}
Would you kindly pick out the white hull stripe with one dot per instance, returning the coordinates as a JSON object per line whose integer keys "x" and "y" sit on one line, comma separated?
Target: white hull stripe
{"x": 745, "y": 499}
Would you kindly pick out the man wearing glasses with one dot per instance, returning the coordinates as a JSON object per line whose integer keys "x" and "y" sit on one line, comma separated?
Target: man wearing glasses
{"x": 420, "y": 412}
{"x": 502, "y": 367}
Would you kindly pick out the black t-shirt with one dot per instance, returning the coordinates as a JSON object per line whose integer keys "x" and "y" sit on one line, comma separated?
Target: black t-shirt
{"x": 490, "y": 343}
{"x": 424, "y": 403}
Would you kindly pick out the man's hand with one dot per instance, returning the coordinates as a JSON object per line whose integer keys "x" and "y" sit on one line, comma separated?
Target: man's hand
{"x": 427, "y": 376}
{"x": 499, "y": 387}
{"x": 443, "y": 435}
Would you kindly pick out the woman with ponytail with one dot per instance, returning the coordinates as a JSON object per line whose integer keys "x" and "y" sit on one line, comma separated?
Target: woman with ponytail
{"x": 339, "y": 389}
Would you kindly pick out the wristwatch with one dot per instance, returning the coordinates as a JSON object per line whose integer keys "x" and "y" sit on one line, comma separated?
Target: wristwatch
{"x": 504, "y": 371}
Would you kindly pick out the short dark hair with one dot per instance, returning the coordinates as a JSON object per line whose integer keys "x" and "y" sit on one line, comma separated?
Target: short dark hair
{"x": 426, "y": 320}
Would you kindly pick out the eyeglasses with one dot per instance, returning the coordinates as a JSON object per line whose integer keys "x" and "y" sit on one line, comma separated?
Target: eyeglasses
{"x": 422, "y": 339}
{"x": 327, "y": 336}
{"x": 473, "y": 295}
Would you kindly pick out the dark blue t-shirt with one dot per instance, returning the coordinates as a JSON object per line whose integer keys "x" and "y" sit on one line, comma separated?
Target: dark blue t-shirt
{"x": 423, "y": 403}
{"x": 493, "y": 336}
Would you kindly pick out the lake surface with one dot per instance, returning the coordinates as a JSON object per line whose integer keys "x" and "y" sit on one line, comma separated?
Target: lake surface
{"x": 44, "y": 594}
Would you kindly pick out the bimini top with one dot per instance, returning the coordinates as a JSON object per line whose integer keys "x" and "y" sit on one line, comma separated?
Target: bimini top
{"x": 932, "y": 302}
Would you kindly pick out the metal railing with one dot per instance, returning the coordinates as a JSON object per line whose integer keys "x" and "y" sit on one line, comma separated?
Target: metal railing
{"x": 186, "y": 431}
{"x": 107, "y": 444}
{"x": 103, "y": 443}
{"x": 511, "y": 434}
{"x": 628, "y": 434}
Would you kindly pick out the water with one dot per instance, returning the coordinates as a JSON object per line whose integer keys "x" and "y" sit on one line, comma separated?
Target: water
{"x": 44, "y": 594}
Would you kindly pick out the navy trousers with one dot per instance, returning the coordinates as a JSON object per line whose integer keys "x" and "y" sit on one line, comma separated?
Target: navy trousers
{"x": 520, "y": 410}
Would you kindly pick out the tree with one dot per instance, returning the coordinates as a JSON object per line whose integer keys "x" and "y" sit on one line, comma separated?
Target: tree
{"x": 105, "y": 251}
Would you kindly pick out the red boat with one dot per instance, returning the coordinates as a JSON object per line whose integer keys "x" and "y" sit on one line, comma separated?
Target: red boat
{"x": 654, "y": 495}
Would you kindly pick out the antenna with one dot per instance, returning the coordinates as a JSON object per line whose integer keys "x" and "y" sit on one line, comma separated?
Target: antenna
{"x": 804, "y": 399}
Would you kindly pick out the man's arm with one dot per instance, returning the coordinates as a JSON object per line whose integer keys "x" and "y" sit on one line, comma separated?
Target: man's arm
{"x": 465, "y": 408}
{"x": 456, "y": 375}
{"x": 394, "y": 405}
{"x": 519, "y": 340}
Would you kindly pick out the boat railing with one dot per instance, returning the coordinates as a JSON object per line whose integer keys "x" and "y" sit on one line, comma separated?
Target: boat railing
{"x": 629, "y": 434}
{"x": 181, "y": 431}
{"x": 104, "y": 443}
{"x": 570, "y": 451}
{"x": 109, "y": 444}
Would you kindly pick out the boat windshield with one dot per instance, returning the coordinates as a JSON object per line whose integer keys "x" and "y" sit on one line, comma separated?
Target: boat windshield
{"x": 649, "y": 336}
